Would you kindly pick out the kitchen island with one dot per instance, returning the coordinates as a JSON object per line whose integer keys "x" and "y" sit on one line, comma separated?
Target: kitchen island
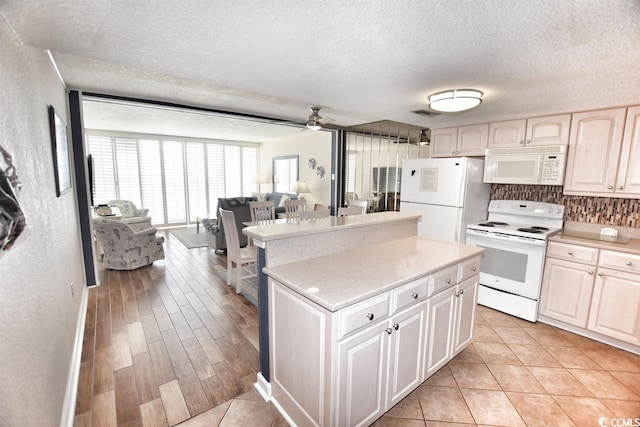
{"x": 285, "y": 241}
{"x": 355, "y": 331}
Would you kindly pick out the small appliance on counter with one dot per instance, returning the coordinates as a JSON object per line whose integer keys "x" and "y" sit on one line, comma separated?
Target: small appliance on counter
{"x": 447, "y": 192}
{"x": 515, "y": 238}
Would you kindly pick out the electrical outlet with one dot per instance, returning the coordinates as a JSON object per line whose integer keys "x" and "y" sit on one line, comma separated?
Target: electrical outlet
{"x": 73, "y": 294}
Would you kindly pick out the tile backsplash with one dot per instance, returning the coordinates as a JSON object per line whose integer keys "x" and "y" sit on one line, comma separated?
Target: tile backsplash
{"x": 594, "y": 210}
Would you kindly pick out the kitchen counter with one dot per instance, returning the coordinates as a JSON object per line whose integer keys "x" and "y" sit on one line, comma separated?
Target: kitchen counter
{"x": 337, "y": 280}
{"x": 579, "y": 238}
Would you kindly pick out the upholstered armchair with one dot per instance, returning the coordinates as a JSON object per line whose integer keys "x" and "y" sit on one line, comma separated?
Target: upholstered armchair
{"x": 124, "y": 248}
{"x": 136, "y": 218}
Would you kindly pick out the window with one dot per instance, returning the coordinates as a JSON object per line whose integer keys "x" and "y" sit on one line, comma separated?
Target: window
{"x": 176, "y": 180}
{"x": 285, "y": 173}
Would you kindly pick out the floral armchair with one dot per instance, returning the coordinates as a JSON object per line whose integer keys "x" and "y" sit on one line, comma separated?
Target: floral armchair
{"x": 131, "y": 215}
{"x": 124, "y": 248}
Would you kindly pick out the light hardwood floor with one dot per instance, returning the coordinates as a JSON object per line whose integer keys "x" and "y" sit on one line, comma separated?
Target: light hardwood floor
{"x": 173, "y": 344}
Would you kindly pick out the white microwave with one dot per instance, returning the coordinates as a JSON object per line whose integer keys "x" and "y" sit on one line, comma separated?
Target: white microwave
{"x": 526, "y": 165}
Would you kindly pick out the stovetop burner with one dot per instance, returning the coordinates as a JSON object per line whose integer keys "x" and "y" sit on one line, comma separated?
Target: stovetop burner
{"x": 537, "y": 227}
{"x": 492, "y": 223}
{"x": 533, "y": 230}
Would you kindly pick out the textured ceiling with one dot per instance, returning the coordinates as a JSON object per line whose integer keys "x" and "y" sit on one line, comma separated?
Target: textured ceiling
{"x": 363, "y": 60}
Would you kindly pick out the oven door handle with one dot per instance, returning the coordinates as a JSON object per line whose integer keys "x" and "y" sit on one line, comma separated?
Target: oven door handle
{"x": 507, "y": 237}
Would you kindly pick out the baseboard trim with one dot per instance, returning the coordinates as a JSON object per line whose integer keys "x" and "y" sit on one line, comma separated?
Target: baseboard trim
{"x": 71, "y": 392}
{"x": 263, "y": 387}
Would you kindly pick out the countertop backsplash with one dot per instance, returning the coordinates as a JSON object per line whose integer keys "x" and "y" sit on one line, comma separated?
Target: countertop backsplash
{"x": 595, "y": 211}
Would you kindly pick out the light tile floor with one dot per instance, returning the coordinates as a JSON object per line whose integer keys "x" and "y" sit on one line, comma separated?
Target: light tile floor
{"x": 515, "y": 373}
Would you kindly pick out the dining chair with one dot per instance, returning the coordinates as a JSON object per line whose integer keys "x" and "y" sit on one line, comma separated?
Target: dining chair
{"x": 235, "y": 254}
{"x": 351, "y": 210}
{"x": 293, "y": 207}
{"x": 262, "y": 211}
{"x": 323, "y": 213}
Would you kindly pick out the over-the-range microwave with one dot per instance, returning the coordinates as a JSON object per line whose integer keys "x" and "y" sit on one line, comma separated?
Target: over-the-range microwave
{"x": 526, "y": 165}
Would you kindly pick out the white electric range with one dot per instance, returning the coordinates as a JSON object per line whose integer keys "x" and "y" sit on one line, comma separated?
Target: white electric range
{"x": 515, "y": 240}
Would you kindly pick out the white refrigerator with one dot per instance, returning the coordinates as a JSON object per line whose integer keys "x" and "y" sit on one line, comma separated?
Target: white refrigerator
{"x": 447, "y": 192}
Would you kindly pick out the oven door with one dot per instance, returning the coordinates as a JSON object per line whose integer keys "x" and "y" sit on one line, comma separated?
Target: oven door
{"x": 510, "y": 264}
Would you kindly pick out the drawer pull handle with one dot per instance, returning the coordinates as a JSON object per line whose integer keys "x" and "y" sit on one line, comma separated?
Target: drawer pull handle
{"x": 601, "y": 274}
{"x": 447, "y": 281}
{"x": 473, "y": 268}
{"x": 628, "y": 263}
{"x": 570, "y": 253}
{"x": 590, "y": 271}
{"x": 396, "y": 326}
{"x": 388, "y": 331}
{"x": 370, "y": 316}
{"x": 414, "y": 295}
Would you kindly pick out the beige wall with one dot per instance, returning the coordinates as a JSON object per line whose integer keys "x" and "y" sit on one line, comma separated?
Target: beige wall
{"x": 309, "y": 144}
{"x": 39, "y": 316}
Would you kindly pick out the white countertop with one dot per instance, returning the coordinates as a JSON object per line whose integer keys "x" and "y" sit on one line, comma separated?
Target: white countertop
{"x": 344, "y": 278}
{"x": 286, "y": 228}
{"x": 632, "y": 247}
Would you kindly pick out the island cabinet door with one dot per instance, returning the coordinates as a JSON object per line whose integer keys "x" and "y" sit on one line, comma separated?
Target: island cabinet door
{"x": 362, "y": 361}
{"x": 466, "y": 298}
{"x": 440, "y": 319}
{"x": 405, "y": 353}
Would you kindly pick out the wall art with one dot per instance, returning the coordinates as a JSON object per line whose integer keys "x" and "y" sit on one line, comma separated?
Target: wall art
{"x": 60, "y": 146}
{"x": 12, "y": 218}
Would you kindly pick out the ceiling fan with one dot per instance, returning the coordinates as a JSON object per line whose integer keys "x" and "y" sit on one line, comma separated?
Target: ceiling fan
{"x": 315, "y": 121}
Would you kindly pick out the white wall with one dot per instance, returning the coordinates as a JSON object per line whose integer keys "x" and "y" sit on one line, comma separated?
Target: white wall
{"x": 309, "y": 144}
{"x": 38, "y": 316}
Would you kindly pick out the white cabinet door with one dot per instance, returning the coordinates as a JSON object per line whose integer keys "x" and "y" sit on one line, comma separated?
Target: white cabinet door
{"x": 510, "y": 133}
{"x": 405, "y": 353}
{"x": 549, "y": 130}
{"x": 440, "y": 323}
{"x": 614, "y": 309}
{"x": 594, "y": 150}
{"x": 472, "y": 140}
{"x": 629, "y": 170}
{"x": 362, "y": 359}
{"x": 443, "y": 142}
{"x": 567, "y": 288}
{"x": 467, "y": 296}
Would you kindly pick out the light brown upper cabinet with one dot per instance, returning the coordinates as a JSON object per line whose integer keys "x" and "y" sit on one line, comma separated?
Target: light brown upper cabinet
{"x": 460, "y": 141}
{"x": 603, "y": 153}
{"x": 548, "y": 130}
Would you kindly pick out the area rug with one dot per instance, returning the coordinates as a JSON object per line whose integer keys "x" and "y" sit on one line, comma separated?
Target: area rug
{"x": 249, "y": 288}
{"x": 190, "y": 238}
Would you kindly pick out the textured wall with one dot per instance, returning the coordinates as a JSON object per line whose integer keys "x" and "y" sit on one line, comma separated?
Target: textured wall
{"x": 38, "y": 315}
{"x": 593, "y": 210}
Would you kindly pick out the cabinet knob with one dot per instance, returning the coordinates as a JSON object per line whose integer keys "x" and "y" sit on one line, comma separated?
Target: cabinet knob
{"x": 610, "y": 187}
{"x": 570, "y": 253}
{"x": 590, "y": 271}
{"x": 447, "y": 281}
{"x": 628, "y": 263}
{"x": 370, "y": 316}
{"x": 388, "y": 331}
{"x": 414, "y": 295}
{"x": 521, "y": 142}
{"x": 528, "y": 141}
{"x": 461, "y": 291}
{"x": 474, "y": 268}
{"x": 396, "y": 326}
{"x": 601, "y": 274}
{"x": 457, "y": 294}
{"x": 620, "y": 187}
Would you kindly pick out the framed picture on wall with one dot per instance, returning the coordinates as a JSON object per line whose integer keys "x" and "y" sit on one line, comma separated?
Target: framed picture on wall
{"x": 60, "y": 146}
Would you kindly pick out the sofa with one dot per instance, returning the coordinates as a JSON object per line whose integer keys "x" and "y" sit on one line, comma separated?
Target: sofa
{"x": 215, "y": 229}
{"x": 277, "y": 199}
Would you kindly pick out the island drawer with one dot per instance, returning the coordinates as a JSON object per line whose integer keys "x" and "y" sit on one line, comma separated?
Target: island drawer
{"x": 407, "y": 294}
{"x": 443, "y": 279}
{"x": 620, "y": 261}
{"x": 362, "y": 314}
{"x": 468, "y": 268}
{"x": 575, "y": 253}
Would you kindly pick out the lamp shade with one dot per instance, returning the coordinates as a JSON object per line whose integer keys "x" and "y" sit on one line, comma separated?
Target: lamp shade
{"x": 456, "y": 100}
{"x": 300, "y": 187}
{"x": 261, "y": 179}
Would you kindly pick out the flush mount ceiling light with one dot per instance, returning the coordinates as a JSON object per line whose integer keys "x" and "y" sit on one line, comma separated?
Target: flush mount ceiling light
{"x": 456, "y": 100}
